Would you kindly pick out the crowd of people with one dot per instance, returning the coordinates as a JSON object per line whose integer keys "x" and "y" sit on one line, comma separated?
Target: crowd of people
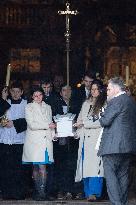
{"x": 33, "y": 157}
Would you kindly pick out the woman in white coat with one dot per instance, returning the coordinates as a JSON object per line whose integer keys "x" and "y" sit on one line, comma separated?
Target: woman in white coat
{"x": 38, "y": 146}
{"x": 89, "y": 165}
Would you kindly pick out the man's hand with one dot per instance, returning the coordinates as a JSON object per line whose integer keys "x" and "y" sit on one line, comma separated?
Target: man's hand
{"x": 9, "y": 124}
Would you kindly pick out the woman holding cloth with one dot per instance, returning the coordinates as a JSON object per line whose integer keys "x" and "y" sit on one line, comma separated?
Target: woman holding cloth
{"x": 89, "y": 165}
{"x": 38, "y": 146}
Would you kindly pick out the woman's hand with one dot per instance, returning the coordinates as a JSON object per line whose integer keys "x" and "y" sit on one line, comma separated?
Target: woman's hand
{"x": 55, "y": 138}
{"x": 76, "y": 136}
{"x": 78, "y": 124}
{"x": 52, "y": 125}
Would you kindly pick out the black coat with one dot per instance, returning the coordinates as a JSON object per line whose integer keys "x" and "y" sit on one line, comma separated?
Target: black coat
{"x": 53, "y": 100}
{"x": 4, "y": 106}
{"x": 77, "y": 99}
{"x": 62, "y": 103}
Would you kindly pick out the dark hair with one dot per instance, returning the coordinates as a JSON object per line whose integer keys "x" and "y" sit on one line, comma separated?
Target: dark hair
{"x": 89, "y": 74}
{"x": 36, "y": 89}
{"x": 17, "y": 84}
{"x": 63, "y": 86}
{"x": 101, "y": 99}
{"x": 46, "y": 81}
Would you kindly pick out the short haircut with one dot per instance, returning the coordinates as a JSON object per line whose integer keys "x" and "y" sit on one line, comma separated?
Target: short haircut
{"x": 16, "y": 84}
{"x": 46, "y": 81}
{"x": 119, "y": 82}
{"x": 64, "y": 86}
{"x": 37, "y": 89}
{"x": 89, "y": 74}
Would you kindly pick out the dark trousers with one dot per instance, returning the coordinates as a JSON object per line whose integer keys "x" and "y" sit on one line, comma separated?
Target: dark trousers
{"x": 13, "y": 173}
{"x": 116, "y": 170}
{"x": 50, "y": 180}
{"x": 65, "y": 157}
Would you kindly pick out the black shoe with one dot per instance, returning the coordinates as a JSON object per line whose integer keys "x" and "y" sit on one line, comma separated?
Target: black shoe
{"x": 68, "y": 196}
{"x": 79, "y": 196}
{"x": 60, "y": 196}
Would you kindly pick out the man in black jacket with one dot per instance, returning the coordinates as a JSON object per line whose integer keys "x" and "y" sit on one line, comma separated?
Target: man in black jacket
{"x": 79, "y": 95}
{"x": 50, "y": 97}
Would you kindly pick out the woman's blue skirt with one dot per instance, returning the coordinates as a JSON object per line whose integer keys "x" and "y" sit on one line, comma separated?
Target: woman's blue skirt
{"x": 92, "y": 185}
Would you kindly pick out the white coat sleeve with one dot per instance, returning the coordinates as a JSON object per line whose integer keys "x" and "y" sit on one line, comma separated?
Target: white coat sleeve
{"x": 34, "y": 124}
{"x": 89, "y": 124}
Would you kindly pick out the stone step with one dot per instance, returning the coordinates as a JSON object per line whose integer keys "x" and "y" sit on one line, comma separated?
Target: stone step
{"x": 72, "y": 202}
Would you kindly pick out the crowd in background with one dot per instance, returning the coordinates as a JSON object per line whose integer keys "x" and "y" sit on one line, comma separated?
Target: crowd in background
{"x": 34, "y": 161}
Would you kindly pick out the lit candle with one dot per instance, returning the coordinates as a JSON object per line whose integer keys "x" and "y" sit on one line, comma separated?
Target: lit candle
{"x": 127, "y": 76}
{"x": 8, "y": 74}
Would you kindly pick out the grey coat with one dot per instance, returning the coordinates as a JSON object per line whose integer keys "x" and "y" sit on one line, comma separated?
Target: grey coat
{"x": 119, "y": 122}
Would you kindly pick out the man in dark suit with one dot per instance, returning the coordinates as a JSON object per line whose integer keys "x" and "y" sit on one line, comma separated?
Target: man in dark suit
{"x": 50, "y": 97}
{"x": 79, "y": 95}
{"x": 118, "y": 141}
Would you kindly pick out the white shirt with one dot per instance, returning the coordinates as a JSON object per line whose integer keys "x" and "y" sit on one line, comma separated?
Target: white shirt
{"x": 120, "y": 93}
{"x": 87, "y": 92}
{"x": 9, "y": 135}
